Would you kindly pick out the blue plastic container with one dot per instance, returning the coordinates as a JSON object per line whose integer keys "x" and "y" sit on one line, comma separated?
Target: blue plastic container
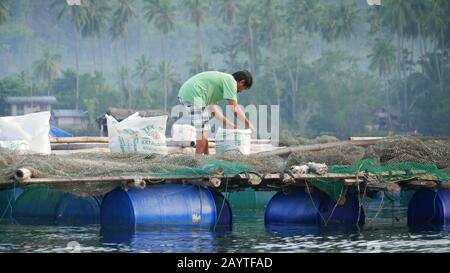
{"x": 48, "y": 206}
{"x": 428, "y": 207}
{"x": 302, "y": 209}
{"x": 165, "y": 206}
{"x": 7, "y": 200}
{"x": 295, "y": 208}
{"x": 349, "y": 214}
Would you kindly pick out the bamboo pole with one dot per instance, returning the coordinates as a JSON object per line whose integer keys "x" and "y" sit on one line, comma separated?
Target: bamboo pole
{"x": 303, "y": 148}
{"x": 78, "y": 139}
{"x": 22, "y": 174}
{"x": 24, "y": 177}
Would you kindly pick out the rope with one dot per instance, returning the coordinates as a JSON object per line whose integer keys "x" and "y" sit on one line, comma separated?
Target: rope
{"x": 359, "y": 195}
{"x": 335, "y": 206}
{"x": 10, "y": 206}
{"x": 314, "y": 203}
{"x": 223, "y": 204}
{"x": 378, "y": 210}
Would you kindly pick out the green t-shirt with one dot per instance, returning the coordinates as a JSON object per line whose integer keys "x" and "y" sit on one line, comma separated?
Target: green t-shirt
{"x": 208, "y": 88}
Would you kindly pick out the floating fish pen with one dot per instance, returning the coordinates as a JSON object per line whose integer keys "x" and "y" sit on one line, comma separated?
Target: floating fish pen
{"x": 142, "y": 192}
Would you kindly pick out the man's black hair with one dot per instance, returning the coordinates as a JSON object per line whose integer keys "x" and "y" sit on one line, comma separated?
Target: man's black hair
{"x": 244, "y": 75}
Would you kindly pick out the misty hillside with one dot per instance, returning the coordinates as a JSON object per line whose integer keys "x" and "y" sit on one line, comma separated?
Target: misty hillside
{"x": 331, "y": 65}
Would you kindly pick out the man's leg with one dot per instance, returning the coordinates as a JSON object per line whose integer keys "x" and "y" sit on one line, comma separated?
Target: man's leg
{"x": 202, "y": 144}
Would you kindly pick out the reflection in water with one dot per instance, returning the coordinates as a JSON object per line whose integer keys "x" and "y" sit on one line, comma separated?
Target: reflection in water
{"x": 305, "y": 230}
{"x": 161, "y": 240}
{"x": 381, "y": 233}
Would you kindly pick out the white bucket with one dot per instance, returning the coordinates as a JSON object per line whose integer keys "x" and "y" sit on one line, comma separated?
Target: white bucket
{"x": 183, "y": 132}
{"x": 233, "y": 141}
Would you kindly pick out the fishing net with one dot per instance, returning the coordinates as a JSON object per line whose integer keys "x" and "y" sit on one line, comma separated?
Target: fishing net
{"x": 83, "y": 165}
{"x": 393, "y": 155}
{"x": 342, "y": 155}
{"x": 287, "y": 139}
{"x": 410, "y": 149}
{"x": 389, "y": 173}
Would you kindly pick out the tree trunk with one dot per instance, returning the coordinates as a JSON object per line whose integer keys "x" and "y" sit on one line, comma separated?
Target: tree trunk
{"x": 163, "y": 41}
{"x": 77, "y": 67}
{"x": 200, "y": 48}
{"x": 251, "y": 46}
{"x": 94, "y": 61}
{"x": 99, "y": 41}
{"x": 125, "y": 44}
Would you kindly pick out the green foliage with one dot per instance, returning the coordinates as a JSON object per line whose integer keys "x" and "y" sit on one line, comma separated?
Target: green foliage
{"x": 12, "y": 87}
{"x": 330, "y": 65}
{"x": 4, "y": 10}
{"x": 47, "y": 68}
{"x": 124, "y": 12}
{"x": 161, "y": 13}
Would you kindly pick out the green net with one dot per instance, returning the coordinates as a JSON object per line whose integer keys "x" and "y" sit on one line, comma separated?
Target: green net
{"x": 394, "y": 159}
{"x": 228, "y": 168}
{"x": 387, "y": 173}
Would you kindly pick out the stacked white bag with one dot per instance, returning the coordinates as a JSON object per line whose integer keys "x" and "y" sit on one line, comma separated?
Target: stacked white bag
{"x": 137, "y": 134}
{"x": 27, "y": 133}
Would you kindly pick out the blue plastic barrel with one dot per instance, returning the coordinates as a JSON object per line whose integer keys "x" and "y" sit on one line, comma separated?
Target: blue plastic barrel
{"x": 48, "y": 206}
{"x": 296, "y": 208}
{"x": 348, "y": 214}
{"x": 7, "y": 200}
{"x": 165, "y": 206}
{"x": 429, "y": 207}
{"x": 301, "y": 208}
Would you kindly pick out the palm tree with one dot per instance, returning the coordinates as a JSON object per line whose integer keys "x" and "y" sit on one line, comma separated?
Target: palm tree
{"x": 4, "y": 10}
{"x": 437, "y": 26}
{"x": 196, "y": 65}
{"x": 47, "y": 68}
{"x": 95, "y": 23}
{"x": 304, "y": 15}
{"x": 123, "y": 14}
{"x": 143, "y": 71}
{"x": 27, "y": 79}
{"x": 338, "y": 22}
{"x": 382, "y": 59}
{"x": 396, "y": 16}
{"x": 166, "y": 78}
{"x": 125, "y": 85}
{"x": 162, "y": 14}
{"x": 227, "y": 10}
{"x": 250, "y": 21}
{"x": 96, "y": 13}
{"x": 78, "y": 17}
{"x": 197, "y": 11}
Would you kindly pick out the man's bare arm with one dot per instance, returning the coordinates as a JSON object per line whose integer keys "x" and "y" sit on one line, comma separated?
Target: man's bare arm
{"x": 239, "y": 114}
{"x": 215, "y": 109}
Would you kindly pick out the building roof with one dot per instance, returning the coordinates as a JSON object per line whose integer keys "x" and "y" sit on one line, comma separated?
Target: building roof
{"x": 69, "y": 113}
{"x": 35, "y": 99}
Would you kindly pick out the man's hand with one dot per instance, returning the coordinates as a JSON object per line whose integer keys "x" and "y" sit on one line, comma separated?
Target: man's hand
{"x": 240, "y": 115}
{"x": 250, "y": 126}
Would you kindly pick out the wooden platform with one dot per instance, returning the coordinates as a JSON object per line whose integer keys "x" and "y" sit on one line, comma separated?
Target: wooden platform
{"x": 258, "y": 181}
